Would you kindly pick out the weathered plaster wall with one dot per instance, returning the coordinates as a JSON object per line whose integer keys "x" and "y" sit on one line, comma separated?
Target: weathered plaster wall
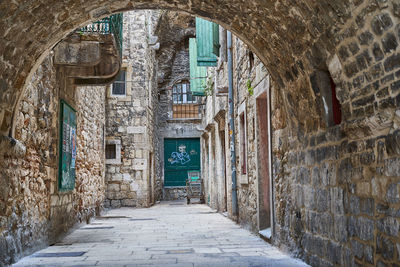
{"x": 33, "y": 213}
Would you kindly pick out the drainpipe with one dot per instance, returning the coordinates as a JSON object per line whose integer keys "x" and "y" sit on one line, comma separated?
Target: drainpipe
{"x": 232, "y": 125}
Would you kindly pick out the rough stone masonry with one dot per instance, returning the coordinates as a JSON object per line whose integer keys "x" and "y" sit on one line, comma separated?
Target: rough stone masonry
{"x": 336, "y": 188}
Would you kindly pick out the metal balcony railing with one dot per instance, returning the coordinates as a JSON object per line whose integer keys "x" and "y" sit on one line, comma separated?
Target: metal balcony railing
{"x": 110, "y": 25}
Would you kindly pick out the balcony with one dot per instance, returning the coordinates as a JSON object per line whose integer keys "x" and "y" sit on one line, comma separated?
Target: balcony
{"x": 92, "y": 55}
{"x": 110, "y": 25}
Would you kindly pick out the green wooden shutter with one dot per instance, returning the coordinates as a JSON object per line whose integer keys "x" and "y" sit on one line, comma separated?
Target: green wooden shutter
{"x": 216, "y": 44}
{"x": 67, "y": 152}
{"x": 197, "y": 74}
{"x": 207, "y": 35}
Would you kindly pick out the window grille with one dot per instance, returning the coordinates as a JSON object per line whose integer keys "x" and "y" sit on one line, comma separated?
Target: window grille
{"x": 185, "y": 104}
{"x": 111, "y": 151}
{"x": 119, "y": 85}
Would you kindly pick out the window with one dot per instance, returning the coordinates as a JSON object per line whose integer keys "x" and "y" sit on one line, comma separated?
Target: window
{"x": 325, "y": 90}
{"x": 181, "y": 94}
{"x": 119, "y": 86}
{"x": 251, "y": 60}
{"x": 111, "y": 152}
{"x": 185, "y": 105}
{"x": 337, "y": 113}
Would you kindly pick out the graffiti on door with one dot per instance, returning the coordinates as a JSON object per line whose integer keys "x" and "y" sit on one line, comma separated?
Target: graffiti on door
{"x": 181, "y": 157}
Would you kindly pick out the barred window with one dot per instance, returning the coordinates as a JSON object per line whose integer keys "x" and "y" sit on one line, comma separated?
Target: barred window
{"x": 181, "y": 94}
{"x": 185, "y": 105}
{"x": 111, "y": 151}
{"x": 119, "y": 85}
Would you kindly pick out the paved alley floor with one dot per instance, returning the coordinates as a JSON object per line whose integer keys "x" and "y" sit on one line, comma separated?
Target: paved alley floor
{"x": 167, "y": 234}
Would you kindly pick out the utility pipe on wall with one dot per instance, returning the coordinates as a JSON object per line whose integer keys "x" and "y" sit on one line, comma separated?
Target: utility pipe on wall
{"x": 232, "y": 124}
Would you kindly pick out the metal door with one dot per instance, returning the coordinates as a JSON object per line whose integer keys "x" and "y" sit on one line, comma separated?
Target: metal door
{"x": 180, "y": 156}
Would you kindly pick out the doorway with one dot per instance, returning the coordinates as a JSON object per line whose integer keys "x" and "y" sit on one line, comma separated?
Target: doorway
{"x": 223, "y": 168}
{"x": 180, "y": 156}
{"x": 264, "y": 182}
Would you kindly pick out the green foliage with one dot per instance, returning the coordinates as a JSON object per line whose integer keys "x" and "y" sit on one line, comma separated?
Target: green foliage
{"x": 208, "y": 86}
{"x": 250, "y": 89}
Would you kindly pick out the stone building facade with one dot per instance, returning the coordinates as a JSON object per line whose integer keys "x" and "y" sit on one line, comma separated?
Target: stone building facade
{"x": 34, "y": 212}
{"x": 334, "y": 185}
{"x": 174, "y": 30}
{"x": 130, "y": 175}
{"x": 251, "y": 136}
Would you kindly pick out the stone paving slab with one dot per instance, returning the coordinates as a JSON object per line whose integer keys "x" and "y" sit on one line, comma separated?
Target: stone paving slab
{"x": 163, "y": 235}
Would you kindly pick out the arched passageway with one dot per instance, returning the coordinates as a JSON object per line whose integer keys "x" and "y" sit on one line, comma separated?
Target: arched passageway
{"x": 291, "y": 39}
{"x": 336, "y": 185}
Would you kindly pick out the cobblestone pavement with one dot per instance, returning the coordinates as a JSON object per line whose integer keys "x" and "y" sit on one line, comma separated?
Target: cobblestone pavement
{"x": 167, "y": 234}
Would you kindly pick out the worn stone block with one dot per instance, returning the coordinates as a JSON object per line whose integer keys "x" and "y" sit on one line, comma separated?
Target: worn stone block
{"x": 369, "y": 254}
{"x": 135, "y": 129}
{"x": 385, "y": 247}
{"x": 367, "y": 206}
{"x": 128, "y": 203}
{"x": 365, "y": 228}
{"x": 365, "y": 38}
{"x": 337, "y": 200}
{"x": 392, "y": 167}
{"x": 377, "y": 52}
{"x": 115, "y": 203}
{"x": 322, "y": 200}
{"x": 389, "y": 226}
{"x": 334, "y": 252}
{"x": 392, "y": 62}
{"x": 357, "y": 248}
{"x": 395, "y": 87}
{"x": 393, "y": 143}
{"x": 380, "y": 23}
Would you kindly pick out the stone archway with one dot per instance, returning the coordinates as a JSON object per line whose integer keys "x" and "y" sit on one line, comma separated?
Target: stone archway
{"x": 278, "y": 32}
{"x": 356, "y": 42}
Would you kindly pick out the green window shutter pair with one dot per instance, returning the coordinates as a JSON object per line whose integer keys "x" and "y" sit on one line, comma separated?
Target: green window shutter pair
{"x": 203, "y": 53}
{"x": 207, "y": 35}
{"x": 197, "y": 74}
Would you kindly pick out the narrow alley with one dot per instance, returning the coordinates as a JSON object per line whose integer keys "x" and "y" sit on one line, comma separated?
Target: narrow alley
{"x": 281, "y": 117}
{"x": 167, "y": 234}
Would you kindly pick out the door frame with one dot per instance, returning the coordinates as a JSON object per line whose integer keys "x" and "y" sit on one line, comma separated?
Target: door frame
{"x": 263, "y": 89}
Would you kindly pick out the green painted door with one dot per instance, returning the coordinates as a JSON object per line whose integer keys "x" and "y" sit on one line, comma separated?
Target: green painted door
{"x": 180, "y": 156}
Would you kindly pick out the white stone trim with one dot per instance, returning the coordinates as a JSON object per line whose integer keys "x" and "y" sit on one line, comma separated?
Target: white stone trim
{"x": 128, "y": 85}
{"x": 261, "y": 87}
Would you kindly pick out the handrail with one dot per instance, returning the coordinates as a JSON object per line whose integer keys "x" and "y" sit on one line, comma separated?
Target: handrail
{"x": 109, "y": 25}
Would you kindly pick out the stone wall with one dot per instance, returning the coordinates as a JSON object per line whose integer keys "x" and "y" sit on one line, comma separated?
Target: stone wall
{"x": 216, "y": 139}
{"x": 356, "y": 41}
{"x": 130, "y": 118}
{"x": 33, "y": 213}
{"x": 336, "y": 188}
